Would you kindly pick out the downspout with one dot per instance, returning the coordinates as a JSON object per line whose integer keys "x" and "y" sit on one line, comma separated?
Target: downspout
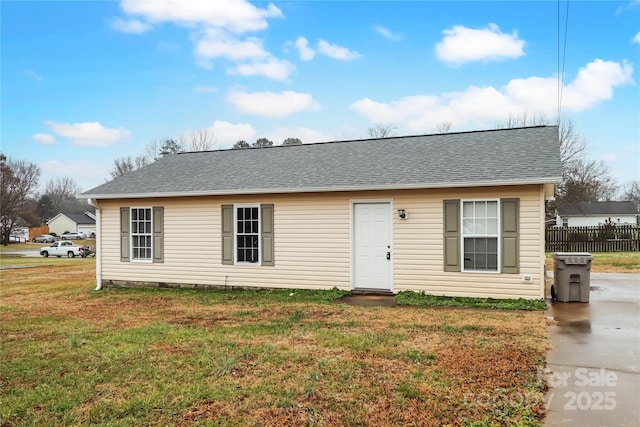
{"x": 98, "y": 247}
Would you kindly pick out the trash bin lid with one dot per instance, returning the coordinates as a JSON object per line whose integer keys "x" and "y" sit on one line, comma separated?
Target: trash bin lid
{"x": 581, "y": 258}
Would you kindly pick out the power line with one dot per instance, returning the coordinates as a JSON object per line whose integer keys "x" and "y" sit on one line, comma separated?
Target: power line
{"x": 564, "y": 57}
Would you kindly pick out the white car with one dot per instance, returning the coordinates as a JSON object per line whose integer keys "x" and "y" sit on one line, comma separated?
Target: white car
{"x": 73, "y": 236}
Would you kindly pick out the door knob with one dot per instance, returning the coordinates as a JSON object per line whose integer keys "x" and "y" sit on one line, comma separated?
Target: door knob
{"x": 388, "y": 255}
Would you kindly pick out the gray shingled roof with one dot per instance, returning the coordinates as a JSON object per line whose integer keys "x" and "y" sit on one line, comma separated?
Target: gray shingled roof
{"x": 494, "y": 157}
{"x": 597, "y": 208}
{"x": 80, "y": 218}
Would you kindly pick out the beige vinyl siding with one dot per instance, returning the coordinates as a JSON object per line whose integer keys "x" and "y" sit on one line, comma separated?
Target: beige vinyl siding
{"x": 418, "y": 260}
{"x": 312, "y": 244}
{"x": 61, "y": 224}
{"x": 312, "y": 234}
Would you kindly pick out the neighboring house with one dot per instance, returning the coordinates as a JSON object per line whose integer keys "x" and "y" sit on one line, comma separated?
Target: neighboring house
{"x": 595, "y": 213}
{"x": 84, "y": 222}
{"x": 458, "y": 214}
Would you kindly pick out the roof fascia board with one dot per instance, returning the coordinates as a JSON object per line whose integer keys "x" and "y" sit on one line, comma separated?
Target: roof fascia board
{"x": 540, "y": 181}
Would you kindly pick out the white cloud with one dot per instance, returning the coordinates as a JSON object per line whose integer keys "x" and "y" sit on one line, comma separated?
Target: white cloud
{"x": 216, "y": 43}
{"x": 636, "y": 38}
{"x": 306, "y": 53}
{"x": 461, "y": 45}
{"x": 216, "y": 28}
{"x": 88, "y": 134}
{"x": 306, "y": 135}
{"x": 337, "y": 52}
{"x": 485, "y": 106}
{"x": 387, "y": 33}
{"x": 269, "y": 104}
{"x": 44, "y": 138}
{"x": 273, "y": 68}
{"x": 226, "y": 134}
{"x": 396, "y": 111}
{"x": 131, "y": 26}
{"x": 595, "y": 83}
{"x": 238, "y": 16}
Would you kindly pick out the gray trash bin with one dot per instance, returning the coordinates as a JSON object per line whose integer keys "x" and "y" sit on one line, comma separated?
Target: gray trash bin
{"x": 572, "y": 276}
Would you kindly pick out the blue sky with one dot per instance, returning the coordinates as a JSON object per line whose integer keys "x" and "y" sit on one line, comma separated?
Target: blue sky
{"x": 85, "y": 82}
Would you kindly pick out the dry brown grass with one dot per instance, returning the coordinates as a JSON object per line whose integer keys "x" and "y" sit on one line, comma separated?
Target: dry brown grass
{"x": 184, "y": 357}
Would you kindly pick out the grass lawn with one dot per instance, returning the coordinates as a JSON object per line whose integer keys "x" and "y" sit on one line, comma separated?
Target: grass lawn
{"x": 609, "y": 262}
{"x": 72, "y": 356}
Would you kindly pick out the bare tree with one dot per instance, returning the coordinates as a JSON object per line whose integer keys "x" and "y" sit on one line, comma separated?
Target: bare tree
{"x": 62, "y": 192}
{"x": 124, "y": 165}
{"x": 152, "y": 151}
{"x": 381, "y": 130}
{"x": 586, "y": 181}
{"x": 443, "y": 127}
{"x": 631, "y": 191}
{"x": 18, "y": 178}
{"x": 198, "y": 140}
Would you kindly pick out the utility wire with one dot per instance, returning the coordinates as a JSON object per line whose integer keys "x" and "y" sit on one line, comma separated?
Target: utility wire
{"x": 564, "y": 57}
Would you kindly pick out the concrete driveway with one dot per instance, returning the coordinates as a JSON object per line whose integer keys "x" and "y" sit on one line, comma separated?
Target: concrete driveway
{"x": 595, "y": 356}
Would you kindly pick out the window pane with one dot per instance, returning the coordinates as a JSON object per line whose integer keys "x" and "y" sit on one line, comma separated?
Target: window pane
{"x": 492, "y": 226}
{"x": 492, "y": 209}
{"x": 467, "y": 210}
{"x": 492, "y": 262}
{"x": 492, "y": 245}
{"x": 467, "y": 224}
{"x": 481, "y": 261}
{"x": 479, "y": 226}
{"x": 481, "y": 254}
{"x": 481, "y": 210}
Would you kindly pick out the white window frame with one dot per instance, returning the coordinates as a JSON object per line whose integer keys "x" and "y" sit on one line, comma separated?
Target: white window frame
{"x": 481, "y": 236}
{"x": 258, "y": 262}
{"x": 131, "y": 234}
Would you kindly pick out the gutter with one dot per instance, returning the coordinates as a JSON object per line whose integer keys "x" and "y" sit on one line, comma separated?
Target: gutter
{"x": 98, "y": 253}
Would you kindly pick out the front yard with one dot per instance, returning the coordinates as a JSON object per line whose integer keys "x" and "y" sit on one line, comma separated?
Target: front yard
{"x": 73, "y": 356}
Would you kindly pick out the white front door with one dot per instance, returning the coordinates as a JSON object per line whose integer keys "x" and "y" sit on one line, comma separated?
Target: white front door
{"x": 372, "y": 246}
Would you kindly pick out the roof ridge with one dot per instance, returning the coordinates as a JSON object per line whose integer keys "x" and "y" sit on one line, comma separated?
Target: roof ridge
{"x": 374, "y": 139}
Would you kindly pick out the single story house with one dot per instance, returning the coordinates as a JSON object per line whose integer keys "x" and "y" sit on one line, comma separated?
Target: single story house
{"x": 84, "y": 222}
{"x": 457, "y": 214}
{"x": 594, "y": 214}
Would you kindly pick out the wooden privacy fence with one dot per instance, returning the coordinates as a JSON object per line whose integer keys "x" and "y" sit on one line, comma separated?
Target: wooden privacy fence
{"x": 36, "y": 231}
{"x": 606, "y": 238}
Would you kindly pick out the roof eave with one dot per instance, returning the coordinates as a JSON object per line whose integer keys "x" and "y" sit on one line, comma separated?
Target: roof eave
{"x": 537, "y": 181}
